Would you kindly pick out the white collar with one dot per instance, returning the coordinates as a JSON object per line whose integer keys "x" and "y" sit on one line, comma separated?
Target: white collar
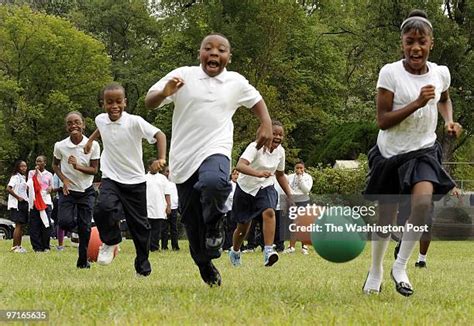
{"x": 221, "y": 77}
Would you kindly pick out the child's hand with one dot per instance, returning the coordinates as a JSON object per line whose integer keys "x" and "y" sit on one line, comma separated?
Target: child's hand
{"x": 66, "y": 184}
{"x": 172, "y": 86}
{"x": 426, "y": 93}
{"x": 88, "y": 147}
{"x": 264, "y": 136}
{"x": 157, "y": 165}
{"x": 72, "y": 160}
{"x": 453, "y": 129}
{"x": 264, "y": 174}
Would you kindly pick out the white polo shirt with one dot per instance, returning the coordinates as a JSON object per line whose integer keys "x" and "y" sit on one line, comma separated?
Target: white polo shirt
{"x": 202, "y": 117}
{"x": 173, "y": 195}
{"x": 121, "y": 158}
{"x": 418, "y": 130}
{"x": 157, "y": 186}
{"x": 300, "y": 186}
{"x": 19, "y": 187}
{"x": 65, "y": 148}
{"x": 261, "y": 160}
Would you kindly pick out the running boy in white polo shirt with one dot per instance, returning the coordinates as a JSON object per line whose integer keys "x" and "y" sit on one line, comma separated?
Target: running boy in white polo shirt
{"x": 76, "y": 170}
{"x": 256, "y": 196}
{"x": 206, "y": 97}
{"x": 123, "y": 177}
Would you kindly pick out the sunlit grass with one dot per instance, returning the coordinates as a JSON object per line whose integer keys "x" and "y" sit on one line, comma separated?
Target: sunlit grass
{"x": 297, "y": 290}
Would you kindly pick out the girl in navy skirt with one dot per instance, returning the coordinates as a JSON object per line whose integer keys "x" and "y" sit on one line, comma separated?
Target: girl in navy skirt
{"x": 18, "y": 203}
{"x": 407, "y": 158}
{"x": 255, "y": 194}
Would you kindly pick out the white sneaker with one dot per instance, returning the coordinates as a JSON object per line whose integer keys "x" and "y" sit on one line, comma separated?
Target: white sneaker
{"x": 289, "y": 250}
{"x": 304, "y": 250}
{"x": 19, "y": 249}
{"x": 106, "y": 254}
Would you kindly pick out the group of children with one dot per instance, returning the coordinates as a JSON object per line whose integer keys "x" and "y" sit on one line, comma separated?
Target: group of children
{"x": 205, "y": 97}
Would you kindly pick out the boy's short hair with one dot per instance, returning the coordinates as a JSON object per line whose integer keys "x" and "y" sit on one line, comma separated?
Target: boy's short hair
{"x": 217, "y": 34}
{"x": 276, "y": 123}
{"x": 109, "y": 87}
{"x": 300, "y": 162}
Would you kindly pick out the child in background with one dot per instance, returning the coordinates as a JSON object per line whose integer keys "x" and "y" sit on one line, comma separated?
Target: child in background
{"x": 172, "y": 219}
{"x": 40, "y": 185}
{"x": 301, "y": 184}
{"x": 255, "y": 194}
{"x": 18, "y": 203}
{"x": 229, "y": 224}
{"x": 206, "y": 97}
{"x": 158, "y": 204}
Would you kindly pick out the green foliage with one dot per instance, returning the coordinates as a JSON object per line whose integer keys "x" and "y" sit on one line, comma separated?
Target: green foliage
{"x": 328, "y": 180}
{"x": 48, "y": 68}
{"x": 344, "y": 142}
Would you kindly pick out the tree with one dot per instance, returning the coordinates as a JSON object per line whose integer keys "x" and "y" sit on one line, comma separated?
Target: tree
{"x": 47, "y": 68}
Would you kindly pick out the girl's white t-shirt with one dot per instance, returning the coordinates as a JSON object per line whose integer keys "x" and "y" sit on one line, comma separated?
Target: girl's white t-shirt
{"x": 418, "y": 130}
{"x": 261, "y": 160}
{"x": 18, "y": 184}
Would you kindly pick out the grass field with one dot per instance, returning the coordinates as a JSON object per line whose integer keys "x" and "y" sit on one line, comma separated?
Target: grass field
{"x": 297, "y": 290}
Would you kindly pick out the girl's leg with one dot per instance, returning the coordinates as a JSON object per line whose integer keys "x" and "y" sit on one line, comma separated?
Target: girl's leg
{"x": 421, "y": 199}
{"x": 239, "y": 235}
{"x": 380, "y": 241}
{"x": 268, "y": 226}
{"x": 17, "y": 234}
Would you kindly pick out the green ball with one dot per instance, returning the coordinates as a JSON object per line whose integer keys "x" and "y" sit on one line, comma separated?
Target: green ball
{"x": 338, "y": 236}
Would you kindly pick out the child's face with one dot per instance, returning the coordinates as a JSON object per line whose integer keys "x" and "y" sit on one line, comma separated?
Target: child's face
{"x": 74, "y": 124}
{"x": 114, "y": 103}
{"x": 40, "y": 163}
{"x": 22, "y": 167}
{"x": 299, "y": 168}
{"x": 214, "y": 54}
{"x": 235, "y": 175}
{"x": 278, "y": 135}
{"x": 416, "y": 47}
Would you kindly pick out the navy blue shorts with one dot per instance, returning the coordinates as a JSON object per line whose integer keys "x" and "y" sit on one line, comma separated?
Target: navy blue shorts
{"x": 247, "y": 207}
{"x": 20, "y": 215}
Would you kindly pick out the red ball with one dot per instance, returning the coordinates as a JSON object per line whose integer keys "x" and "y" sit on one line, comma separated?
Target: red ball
{"x": 94, "y": 245}
{"x": 303, "y": 224}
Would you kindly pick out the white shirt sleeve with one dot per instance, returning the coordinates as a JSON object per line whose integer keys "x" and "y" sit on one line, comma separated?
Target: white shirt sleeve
{"x": 445, "y": 77}
{"x": 95, "y": 153}
{"x": 147, "y": 130}
{"x": 281, "y": 164}
{"x": 57, "y": 152}
{"x": 386, "y": 79}
{"x": 160, "y": 85}
{"x": 13, "y": 181}
{"x": 306, "y": 183}
{"x": 249, "y": 95}
{"x": 250, "y": 152}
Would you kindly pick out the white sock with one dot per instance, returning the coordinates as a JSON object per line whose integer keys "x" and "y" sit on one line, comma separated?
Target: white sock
{"x": 421, "y": 257}
{"x": 409, "y": 241}
{"x": 268, "y": 248}
{"x": 379, "y": 247}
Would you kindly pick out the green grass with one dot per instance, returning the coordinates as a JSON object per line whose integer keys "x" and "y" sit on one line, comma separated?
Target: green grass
{"x": 297, "y": 290}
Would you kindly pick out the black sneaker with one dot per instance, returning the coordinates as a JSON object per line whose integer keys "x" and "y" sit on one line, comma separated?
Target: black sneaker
{"x": 210, "y": 274}
{"x": 85, "y": 265}
{"x": 214, "y": 236}
{"x": 420, "y": 264}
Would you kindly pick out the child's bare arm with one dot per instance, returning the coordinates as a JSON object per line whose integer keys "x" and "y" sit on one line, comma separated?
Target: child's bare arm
{"x": 160, "y": 162}
{"x": 445, "y": 108}
{"x": 94, "y": 136}
{"x": 264, "y": 132}
{"x": 154, "y": 98}
{"x": 243, "y": 166}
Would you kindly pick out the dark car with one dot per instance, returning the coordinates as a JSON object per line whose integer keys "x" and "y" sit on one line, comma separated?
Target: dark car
{"x": 6, "y": 228}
